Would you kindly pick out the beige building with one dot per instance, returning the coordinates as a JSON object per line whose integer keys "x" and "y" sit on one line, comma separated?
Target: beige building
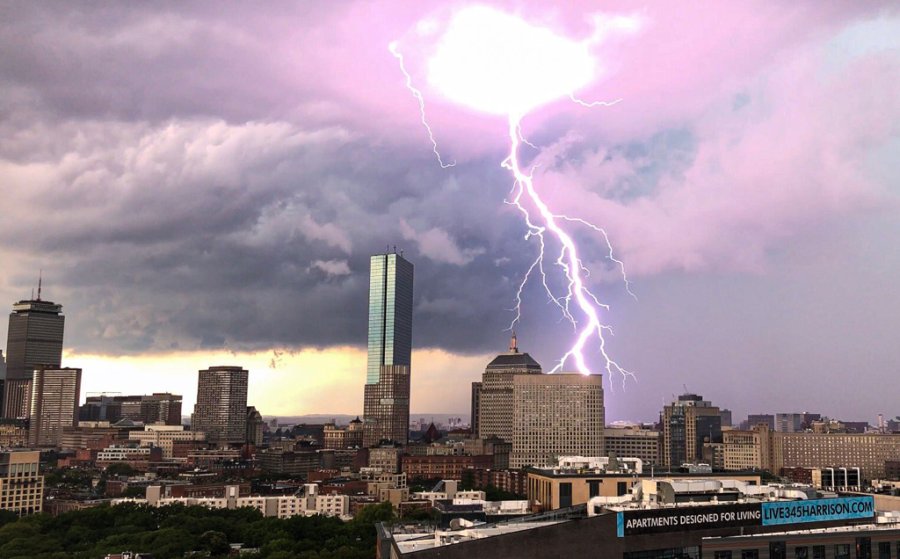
{"x": 164, "y": 436}
{"x": 339, "y": 438}
{"x": 556, "y": 415}
{"x": 633, "y": 442}
{"x": 868, "y": 452}
{"x": 54, "y": 404}
{"x": 21, "y": 485}
{"x": 747, "y": 450}
{"x": 494, "y": 394}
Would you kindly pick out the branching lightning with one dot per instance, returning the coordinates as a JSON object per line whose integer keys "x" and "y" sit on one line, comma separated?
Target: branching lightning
{"x": 577, "y": 291}
{"x": 512, "y": 76}
{"x": 418, "y": 95}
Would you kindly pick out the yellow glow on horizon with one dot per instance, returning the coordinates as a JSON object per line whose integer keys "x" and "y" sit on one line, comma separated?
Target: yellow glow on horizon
{"x": 308, "y": 381}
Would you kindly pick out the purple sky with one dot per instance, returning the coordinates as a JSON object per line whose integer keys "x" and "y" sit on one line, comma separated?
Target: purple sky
{"x": 209, "y": 180}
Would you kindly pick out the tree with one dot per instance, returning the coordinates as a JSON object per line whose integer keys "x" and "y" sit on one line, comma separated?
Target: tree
{"x": 215, "y": 542}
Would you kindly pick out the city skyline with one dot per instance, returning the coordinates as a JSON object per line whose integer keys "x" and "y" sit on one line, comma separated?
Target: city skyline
{"x": 228, "y": 218}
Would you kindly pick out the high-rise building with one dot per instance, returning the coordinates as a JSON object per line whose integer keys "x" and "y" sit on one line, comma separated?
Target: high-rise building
{"x": 254, "y": 426}
{"x": 495, "y": 393}
{"x": 21, "y": 482}
{"x": 386, "y": 394}
{"x": 755, "y": 419}
{"x": 556, "y": 415}
{"x": 160, "y": 407}
{"x": 54, "y": 404}
{"x": 474, "y": 407}
{"x": 35, "y": 338}
{"x": 688, "y": 423}
{"x": 2, "y": 377}
{"x": 788, "y": 422}
{"x": 221, "y": 408}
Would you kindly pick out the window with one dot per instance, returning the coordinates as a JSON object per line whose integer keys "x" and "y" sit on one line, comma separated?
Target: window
{"x": 801, "y": 552}
{"x": 884, "y": 550}
{"x": 818, "y": 552}
{"x": 842, "y": 551}
{"x": 594, "y": 487}
{"x": 777, "y": 550}
{"x": 863, "y": 548}
{"x": 565, "y": 495}
{"x": 725, "y": 554}
{"x": 749, "y": 554}
{"x": 621, "y": 488}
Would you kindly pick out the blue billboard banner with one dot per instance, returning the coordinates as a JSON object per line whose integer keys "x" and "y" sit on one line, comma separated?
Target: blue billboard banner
{"x": 817, "y": 510}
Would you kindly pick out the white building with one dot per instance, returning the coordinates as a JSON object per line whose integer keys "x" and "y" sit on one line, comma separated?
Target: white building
{"x": 306, "y": 502}
{"x": 164, "y": 436}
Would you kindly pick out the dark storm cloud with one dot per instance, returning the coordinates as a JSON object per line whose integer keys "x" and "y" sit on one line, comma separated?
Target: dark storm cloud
{"x": 204, "y": 175}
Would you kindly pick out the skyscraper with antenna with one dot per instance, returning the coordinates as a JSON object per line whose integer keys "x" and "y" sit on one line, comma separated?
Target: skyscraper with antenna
{"x": 35, "y": 338}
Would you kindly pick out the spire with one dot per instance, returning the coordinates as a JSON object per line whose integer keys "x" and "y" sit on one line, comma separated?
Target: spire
{"x": 513, "y": 343}
{"x": 40, "y": 281}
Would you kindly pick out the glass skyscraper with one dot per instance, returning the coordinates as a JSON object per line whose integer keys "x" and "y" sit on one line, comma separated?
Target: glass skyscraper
{"x": 386, "y": 395}
{"x": 390, "y": 313}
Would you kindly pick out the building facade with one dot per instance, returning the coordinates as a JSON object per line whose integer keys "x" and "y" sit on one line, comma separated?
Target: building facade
{"x": 869, "y": 452}
{"x": 633, "y": 442}
{"x": 554, "y": 415}
{"x": 34, "y": 338}
{"x": 221, "y": 408}
{"x": 54, "y": 404}
{"x": 495, "y": 394}
{"x": 165, "y": 437}
{"x": 21, "y": 484}
{"x": 386, "y": 394}
{"x": 687, "y": 423}
{"x": 747, "y": 450}
{"x": 161, "y": 407}
{"x": 788, "y": 422}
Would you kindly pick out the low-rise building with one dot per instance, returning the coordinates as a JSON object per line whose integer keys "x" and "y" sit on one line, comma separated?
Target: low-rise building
{"x": 634, "y": 442}
{"x": 164, "y": 437}
{"x": 306, "y": 502}
{"x": 444, "y": 467}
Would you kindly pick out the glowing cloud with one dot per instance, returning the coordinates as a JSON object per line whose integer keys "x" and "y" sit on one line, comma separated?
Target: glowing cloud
{"x": 500, "y": 64}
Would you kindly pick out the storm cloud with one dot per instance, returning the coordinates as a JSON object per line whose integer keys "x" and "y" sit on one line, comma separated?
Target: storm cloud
{"x": 215, "y": 176}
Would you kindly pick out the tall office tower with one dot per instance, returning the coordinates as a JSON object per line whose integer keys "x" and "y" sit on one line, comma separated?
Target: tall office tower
{"x": 495, "y": 397}
{"x": 788, "y": 422}
{"x": 35, "y": 338}
{"x": 221, "y": 408}
{"x": 475, "y": 408}
{"x": 386, "y": 394}
{"x": 161, "y": 407}
{"x": 55, "y": 393}
{"x": 2, "y": 377}
{"x": 687, "y": 423}
{"x": 556, "y": 415}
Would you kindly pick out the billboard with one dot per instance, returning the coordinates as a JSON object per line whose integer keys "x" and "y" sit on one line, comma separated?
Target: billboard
{"x": 712, "y": 517}
{"x": 817, "y": 510}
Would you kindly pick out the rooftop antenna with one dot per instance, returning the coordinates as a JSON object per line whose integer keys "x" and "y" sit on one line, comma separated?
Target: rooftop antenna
{"x": 40, "y": 280}
{"x": 685, "y": 388}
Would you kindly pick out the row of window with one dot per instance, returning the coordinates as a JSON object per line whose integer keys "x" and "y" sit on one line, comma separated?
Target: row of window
{"x": 778, "y": 550}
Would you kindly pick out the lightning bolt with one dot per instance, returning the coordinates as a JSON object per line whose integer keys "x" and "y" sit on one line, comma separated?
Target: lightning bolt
{"x": 418, "y": 95}
{"x": 577, "y": 291}
{"x": 578, "y": 297}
